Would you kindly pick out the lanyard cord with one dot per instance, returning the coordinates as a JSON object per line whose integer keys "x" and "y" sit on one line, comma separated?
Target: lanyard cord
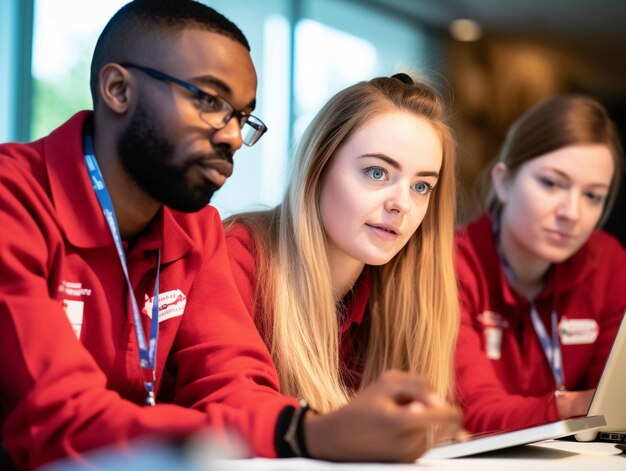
{"x": 147, "y": 353}
{"x": 551, "y": 345}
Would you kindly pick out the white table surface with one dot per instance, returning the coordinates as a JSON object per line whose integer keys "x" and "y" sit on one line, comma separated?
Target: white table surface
{"x": 551, "y": 455}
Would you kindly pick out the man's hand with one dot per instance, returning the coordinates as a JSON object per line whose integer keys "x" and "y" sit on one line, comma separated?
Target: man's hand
{"x": 390, "y": 420}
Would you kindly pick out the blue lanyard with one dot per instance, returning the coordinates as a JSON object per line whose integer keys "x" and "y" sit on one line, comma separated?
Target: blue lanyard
{"x": 147, "y": 354}
{"x": 551, "y": 346}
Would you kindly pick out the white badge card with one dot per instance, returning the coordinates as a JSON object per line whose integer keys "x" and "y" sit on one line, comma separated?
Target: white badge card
{"x": 578, "y": 331}
{"x": 493, "y": 324}
{"x": 493, "y": 342}
{"x": 74, "y": 313}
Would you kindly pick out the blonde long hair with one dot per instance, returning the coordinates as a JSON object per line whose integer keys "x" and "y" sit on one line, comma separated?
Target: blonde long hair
{"x": 413, "y": 304}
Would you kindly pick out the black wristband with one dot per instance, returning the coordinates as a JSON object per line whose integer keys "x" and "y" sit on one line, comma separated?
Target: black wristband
{"x": 283, "y": 450}
{"x": 300, "y": 439}
{"x": 289, "y": 439}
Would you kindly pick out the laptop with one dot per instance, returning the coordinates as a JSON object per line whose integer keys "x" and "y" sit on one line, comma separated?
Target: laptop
{"x": 609, "y": 399}
{"x": 606, "y": 415}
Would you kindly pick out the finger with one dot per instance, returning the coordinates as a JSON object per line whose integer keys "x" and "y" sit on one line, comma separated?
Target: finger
{"x": 405, "y": 388}
{"x": 416, "y": 447}
{"x": 445, "y": 435}
{"x": 445, "y": 417}
{"x": 462, "y": 435}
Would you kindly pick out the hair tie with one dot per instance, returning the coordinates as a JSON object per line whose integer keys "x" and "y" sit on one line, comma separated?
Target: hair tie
{"x": 404, "y": 78}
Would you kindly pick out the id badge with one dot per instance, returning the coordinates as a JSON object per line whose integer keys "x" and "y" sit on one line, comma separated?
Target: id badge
{"x": 493, "y": 342}
{"x": 578, "y": 331}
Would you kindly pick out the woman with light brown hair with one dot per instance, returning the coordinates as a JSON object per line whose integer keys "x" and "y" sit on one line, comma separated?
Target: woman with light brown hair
{"x": 352, "y": 274}
{"x": 541, "y": 287}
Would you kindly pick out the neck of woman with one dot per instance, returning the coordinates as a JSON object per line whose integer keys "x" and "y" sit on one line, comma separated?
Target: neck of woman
{"x": 526, "y": 271}
{"x": 345, "y": 272}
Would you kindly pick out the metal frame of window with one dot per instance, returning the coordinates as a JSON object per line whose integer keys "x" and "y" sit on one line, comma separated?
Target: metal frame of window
{"x": 16, "y": 34}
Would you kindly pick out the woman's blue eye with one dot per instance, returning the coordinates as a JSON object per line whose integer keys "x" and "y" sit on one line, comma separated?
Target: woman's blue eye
{"x": 422, "y": 188}
{"x": 377, "y": 173}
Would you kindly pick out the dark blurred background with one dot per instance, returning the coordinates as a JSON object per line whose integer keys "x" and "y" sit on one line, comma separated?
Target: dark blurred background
{"x": 527, "y": 50}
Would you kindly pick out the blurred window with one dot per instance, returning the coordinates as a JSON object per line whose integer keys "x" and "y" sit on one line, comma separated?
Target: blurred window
{"x": 336, "y": 44}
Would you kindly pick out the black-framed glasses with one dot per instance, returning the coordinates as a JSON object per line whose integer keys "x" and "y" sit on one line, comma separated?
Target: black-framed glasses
{"x": 214, "y": 110}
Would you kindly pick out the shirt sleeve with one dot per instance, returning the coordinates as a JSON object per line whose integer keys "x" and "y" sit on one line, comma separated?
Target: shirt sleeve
{"x": 221, "y": 361}
{"x": 486, "y": 404}
{"x": 242, "y": 262}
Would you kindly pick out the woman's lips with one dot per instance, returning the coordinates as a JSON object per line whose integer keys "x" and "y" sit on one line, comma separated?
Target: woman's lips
{"x": 559, "y": 236}
{"x": 384, "y": 231}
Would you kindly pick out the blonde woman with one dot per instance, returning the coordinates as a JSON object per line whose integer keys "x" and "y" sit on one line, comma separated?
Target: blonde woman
{"x": 352, "y": 275}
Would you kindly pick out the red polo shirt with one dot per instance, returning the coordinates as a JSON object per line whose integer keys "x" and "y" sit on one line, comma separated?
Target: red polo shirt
{"x": 67, "y": 387}
{"x": 508, "y": 383}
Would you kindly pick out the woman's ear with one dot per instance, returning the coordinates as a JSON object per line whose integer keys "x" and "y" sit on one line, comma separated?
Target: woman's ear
{"x": 501, "y": 181}
{"x": 115, "y": 87}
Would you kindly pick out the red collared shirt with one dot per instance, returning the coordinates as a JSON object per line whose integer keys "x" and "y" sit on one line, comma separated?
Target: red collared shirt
{"x": 503, "y": 377}
{"x": 67, "y": 387}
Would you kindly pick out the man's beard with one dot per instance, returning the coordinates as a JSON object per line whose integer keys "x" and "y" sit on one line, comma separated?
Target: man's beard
{"x": 147, "y": 156}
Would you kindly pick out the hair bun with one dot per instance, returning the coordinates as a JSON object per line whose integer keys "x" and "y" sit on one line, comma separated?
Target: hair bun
{"x": 404, "y": 78}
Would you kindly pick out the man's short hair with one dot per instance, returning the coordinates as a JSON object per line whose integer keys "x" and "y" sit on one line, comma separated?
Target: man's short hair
{"x": 140, "y": 16}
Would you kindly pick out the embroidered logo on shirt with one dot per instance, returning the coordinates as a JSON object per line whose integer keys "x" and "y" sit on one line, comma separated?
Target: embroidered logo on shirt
{"x": 493, "y": 319}
{"x": 493, "y": 324}
{"x": 578, "y": 331}
{"x": 74, "y": 288}
{"x": 73, "y": 308}
{"x": 171, "y": 304}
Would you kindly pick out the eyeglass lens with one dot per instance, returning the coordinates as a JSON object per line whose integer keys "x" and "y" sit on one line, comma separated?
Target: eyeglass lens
{"x": 251, "y": 129}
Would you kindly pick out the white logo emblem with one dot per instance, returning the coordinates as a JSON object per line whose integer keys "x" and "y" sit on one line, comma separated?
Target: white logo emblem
{"x": 73, "y": 308}
{"x": 171, "y": 304}
{"x": 578, "y": 331}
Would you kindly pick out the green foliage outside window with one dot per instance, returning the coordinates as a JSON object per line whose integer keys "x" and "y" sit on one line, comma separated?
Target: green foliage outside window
{"x": 57, "y": 99}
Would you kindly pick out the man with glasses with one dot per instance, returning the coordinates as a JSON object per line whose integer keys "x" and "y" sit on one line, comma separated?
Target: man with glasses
{"x": 119, "y": 317}
{"x": 105, "y": 228}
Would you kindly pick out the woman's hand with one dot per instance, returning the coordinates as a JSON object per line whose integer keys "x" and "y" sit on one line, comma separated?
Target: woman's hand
{"x": 573, "y": 403}
{"x": 390, "y": 420}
